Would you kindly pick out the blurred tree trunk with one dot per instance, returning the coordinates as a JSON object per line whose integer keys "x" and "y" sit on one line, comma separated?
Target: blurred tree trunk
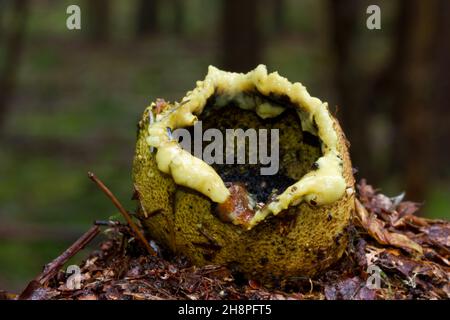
{"x": 384, "y": 92}
{"x": 404, "y": 85}
{"x": 352, "y": 110}
{"x": 179, "y": 16}
{"x": 12, "y": 50}
{"x": 412, "y": 100}
{"x": 441, "y": 83}
{"x": 2, "y": 10}
{"x": 240, "y": 35}
{"x": 279, "y": 15}
{"x": 98, "y": 19}
{"x": 147, "y": 17}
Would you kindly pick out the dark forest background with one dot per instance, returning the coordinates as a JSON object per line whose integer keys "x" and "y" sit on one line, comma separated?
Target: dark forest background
{"x": 70, "y": 100}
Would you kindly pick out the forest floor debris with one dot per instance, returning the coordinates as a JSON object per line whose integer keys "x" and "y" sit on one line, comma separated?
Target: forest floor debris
{"x": 409, "y": 255}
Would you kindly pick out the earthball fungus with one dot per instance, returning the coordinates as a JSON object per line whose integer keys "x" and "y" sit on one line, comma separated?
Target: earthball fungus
{"x": 249, "y": 171}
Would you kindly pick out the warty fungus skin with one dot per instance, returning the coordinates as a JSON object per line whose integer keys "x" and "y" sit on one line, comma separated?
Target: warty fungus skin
{"x": 263, "y": 226}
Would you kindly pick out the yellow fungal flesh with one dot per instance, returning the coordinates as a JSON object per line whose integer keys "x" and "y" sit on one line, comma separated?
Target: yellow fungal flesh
{"x": 321, "y": 187}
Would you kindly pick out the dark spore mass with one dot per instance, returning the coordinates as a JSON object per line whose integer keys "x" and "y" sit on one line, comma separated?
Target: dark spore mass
{"x": 259, "y": 185}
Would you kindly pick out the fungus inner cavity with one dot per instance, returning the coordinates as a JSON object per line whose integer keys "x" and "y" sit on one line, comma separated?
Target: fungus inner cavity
{"x": 310, "y": 165}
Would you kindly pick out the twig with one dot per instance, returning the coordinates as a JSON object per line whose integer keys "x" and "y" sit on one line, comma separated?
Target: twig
{"x": 125, "y": 214}
{"x": 52, "y": 268}
{"x": 108, "y": 223}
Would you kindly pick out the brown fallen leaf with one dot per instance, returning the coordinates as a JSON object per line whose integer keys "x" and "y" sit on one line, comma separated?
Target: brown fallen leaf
{"x": 88, "y": 297}
{"x": 438, "y": 276}
{"x": 254, "y": 284}
{"x": 432, "y": 254}
{"x": 375, "y": 227}
{"x": 439, "y": 234}
{"x": 407, "y": 208}
{"x": 410, "y": 220}
{"x": 349, "y": 289}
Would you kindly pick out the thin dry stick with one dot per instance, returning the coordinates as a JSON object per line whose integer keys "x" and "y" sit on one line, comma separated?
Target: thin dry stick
{"x": 124, "y": 212}
{"x": 52, "y": 268}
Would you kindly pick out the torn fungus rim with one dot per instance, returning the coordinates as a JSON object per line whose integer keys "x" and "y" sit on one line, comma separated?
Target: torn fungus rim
{"x": 266, "y": 94}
